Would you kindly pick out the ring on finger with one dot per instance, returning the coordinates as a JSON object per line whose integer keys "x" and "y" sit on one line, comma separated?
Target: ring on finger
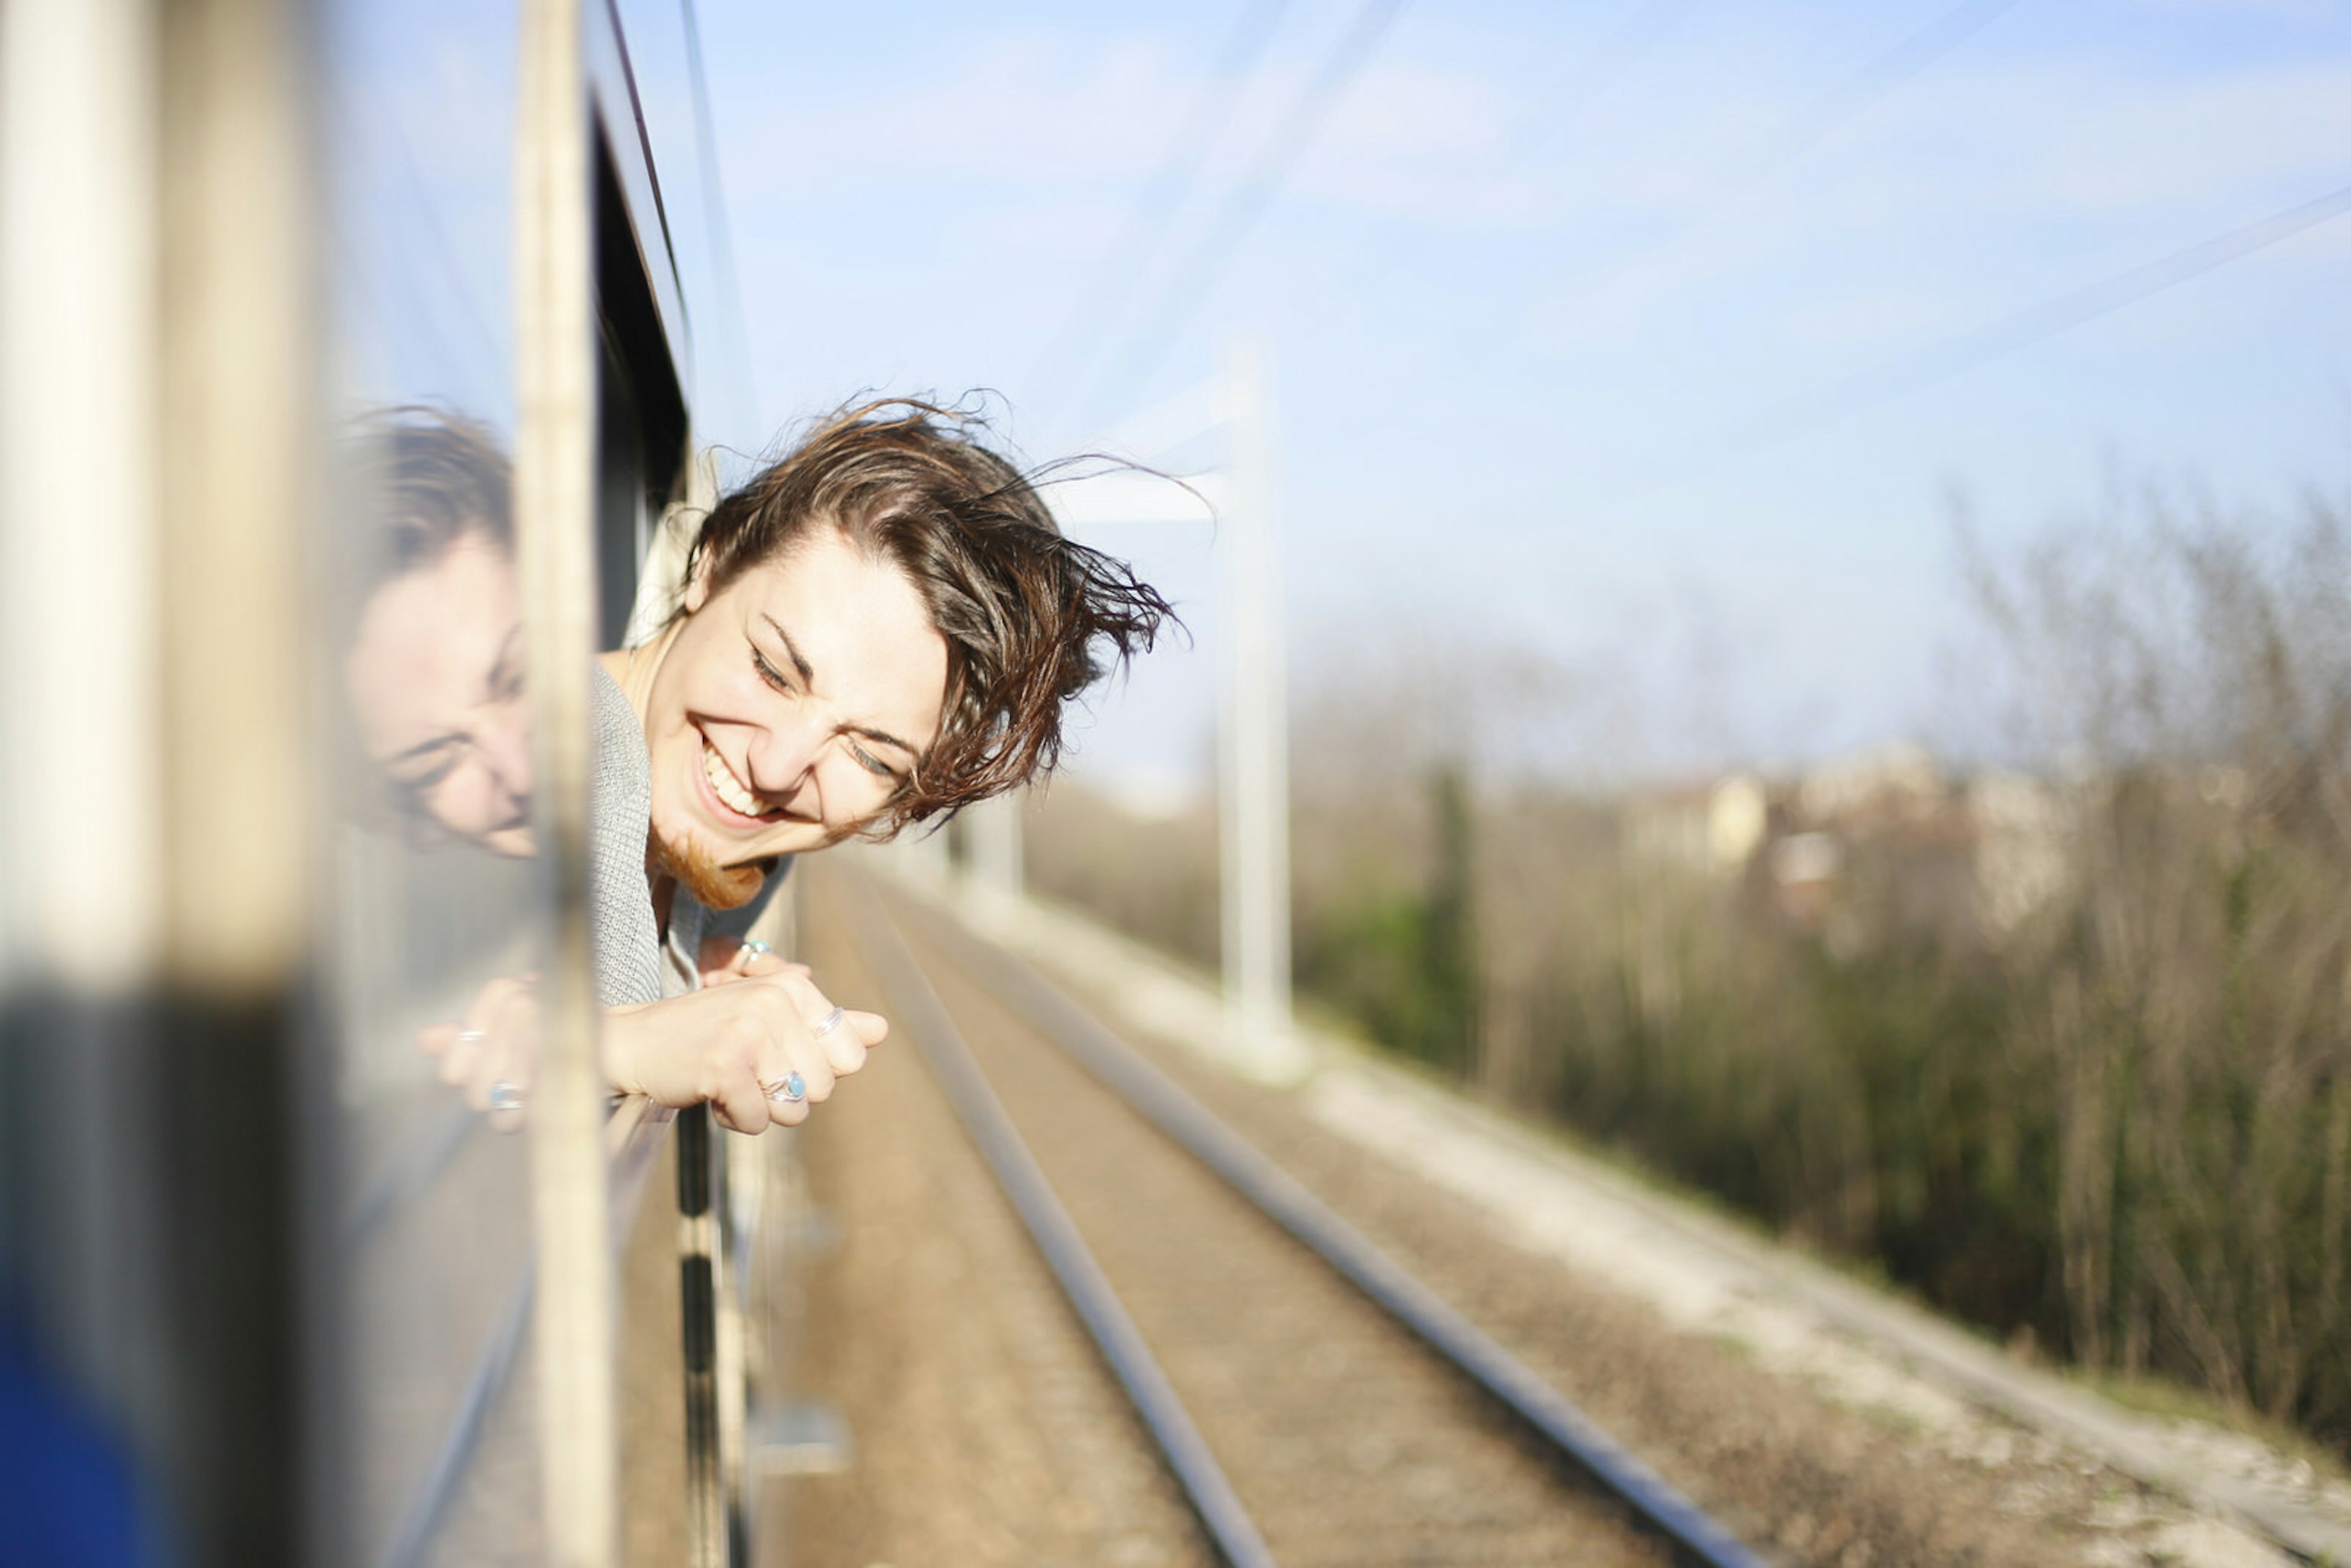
{"x": 788, "y": 1090}
{"x": 832, "y": 1020}
{"x": 751, "y": 952}
{"x": 472, "y": 1036}
{"x": 506, "y": 1096}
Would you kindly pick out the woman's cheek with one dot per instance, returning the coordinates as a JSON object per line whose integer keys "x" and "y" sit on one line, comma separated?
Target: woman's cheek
{"x": 851, "y": 794}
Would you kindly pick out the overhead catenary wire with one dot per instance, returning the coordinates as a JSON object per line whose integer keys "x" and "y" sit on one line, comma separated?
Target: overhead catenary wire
{"x": 1763, "y": 157}
{"x": 1831, "y": 112}
{"x": 1920, "y": 368}
{"x": 1247, "y": 203}
{"x": 1103, "y": 303}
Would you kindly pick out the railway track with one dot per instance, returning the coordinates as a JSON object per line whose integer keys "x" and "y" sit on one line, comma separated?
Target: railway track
{"x": 1314, "y": 1402}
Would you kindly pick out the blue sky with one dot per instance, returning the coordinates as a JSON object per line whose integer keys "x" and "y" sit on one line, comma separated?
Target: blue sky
{"x": 1542, "y": 262}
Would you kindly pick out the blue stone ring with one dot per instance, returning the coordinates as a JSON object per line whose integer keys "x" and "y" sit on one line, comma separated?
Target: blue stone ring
{"x": 788, "y": 1090}
{"x": 506, "y": 1096}
{"x": 752, "y": 951}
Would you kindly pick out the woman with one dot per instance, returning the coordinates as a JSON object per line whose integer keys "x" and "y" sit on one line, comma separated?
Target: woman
{"x": 877, "y": 630}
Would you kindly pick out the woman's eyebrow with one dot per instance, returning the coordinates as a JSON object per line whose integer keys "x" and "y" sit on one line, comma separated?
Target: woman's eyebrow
{"x": 792, "y": 649}
{"x": 425, "y": 747}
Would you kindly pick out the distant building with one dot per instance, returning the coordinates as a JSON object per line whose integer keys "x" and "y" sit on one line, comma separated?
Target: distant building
{"x": 1870, "y": 844}
{"x": 2020, "y": 855}
{"x": 1713, "y": 827}
{"x": 1880, "y": 785}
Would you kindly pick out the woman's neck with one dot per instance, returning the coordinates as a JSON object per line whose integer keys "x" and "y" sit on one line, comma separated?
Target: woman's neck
{"x": 633, "y": 669}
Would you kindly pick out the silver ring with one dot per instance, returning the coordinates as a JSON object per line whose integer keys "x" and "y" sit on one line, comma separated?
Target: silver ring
{"x": 472, "y": 1036}
{"x": 832, "y": 1020}
{"x": 506, "y": 1096}
{"x": 753, "y": 951}
{"x": 788, "y": 1090}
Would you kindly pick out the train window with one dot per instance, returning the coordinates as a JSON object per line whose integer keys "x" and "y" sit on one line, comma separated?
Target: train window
{"x": 640, "y": 410}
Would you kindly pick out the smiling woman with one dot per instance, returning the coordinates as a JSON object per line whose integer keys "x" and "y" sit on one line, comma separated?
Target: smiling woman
{"x": 878, "y": 629}
{"x": 881, "y": 628}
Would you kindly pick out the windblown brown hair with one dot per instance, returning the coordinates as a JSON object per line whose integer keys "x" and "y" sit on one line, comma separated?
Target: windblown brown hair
{"x": 431, "y": 479}
{"x": 1031, "y": 618}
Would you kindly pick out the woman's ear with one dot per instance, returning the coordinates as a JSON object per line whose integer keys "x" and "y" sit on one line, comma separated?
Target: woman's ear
{"x": 697, "y": 584}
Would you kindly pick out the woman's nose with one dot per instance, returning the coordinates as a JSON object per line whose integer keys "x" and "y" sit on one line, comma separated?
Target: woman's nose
{"x": 505, "y": 746}
{"x": 782, "y": 755}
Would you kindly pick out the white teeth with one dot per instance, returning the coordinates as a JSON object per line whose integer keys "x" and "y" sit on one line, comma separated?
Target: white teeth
{"x": 729, "y": 789}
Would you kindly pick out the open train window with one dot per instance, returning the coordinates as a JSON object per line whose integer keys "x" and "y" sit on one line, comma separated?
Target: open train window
{"x": 641, "y": 429}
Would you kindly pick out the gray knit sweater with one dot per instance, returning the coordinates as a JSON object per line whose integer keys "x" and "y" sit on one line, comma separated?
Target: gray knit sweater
{"x": 621, "y": 804}
{"x": 634, "y": 963}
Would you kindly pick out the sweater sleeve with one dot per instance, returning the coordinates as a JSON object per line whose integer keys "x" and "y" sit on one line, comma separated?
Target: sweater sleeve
{"x": 621, "y": 906}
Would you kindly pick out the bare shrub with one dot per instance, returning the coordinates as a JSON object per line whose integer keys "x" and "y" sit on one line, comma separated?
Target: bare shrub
{"x": 2116, "y": 1113}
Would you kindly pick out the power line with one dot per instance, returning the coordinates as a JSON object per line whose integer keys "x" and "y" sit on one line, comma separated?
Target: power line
{"x": 1921, "y": 368}
{"x": 1252, "y": 196}
{"x": 1100, "y": 303}
{"x": 1820, "y": 120}
{"x": 1858, "y": 94}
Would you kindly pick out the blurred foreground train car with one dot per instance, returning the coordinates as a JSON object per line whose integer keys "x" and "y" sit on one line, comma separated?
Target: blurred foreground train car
{"x": 270, "y": 1292}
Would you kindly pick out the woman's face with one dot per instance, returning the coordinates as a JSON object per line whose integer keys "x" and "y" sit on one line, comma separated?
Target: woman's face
{"x": 436, "y": 679}
{"x": 788, "y": 709}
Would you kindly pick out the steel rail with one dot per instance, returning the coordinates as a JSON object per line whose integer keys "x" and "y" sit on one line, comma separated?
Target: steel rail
{"x": 419, "y": 1522}
{"x": 1219, "y": 1508}
{"x": 414, "y": 1167}
{"x": 1692, "y": 1535}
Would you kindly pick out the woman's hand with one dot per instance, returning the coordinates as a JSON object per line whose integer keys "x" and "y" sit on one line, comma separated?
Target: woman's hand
{"x": 490, "y": 1052}
{"x": 727, "y": 959}
{"x": 723, "y": 1044}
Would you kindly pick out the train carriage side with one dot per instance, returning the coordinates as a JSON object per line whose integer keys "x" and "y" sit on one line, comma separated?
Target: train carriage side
{"x": 351, "y": 368}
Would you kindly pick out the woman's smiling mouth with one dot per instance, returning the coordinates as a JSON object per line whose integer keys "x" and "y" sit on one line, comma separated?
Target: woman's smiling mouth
{"x": 731, "y": 792}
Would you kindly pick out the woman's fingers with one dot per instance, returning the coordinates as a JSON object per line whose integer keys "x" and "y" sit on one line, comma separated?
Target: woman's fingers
{"x": 791, "y": 1049}
{"x": 460, "y": 1057}
{"x": 847, "y": 1042}
{"x": 489, "y": 1052}
{"x": 724, "y": 960}
{"x": 741, "y": 1105}
{"x": 501, "y": 1085}
{"x": 729, "y": 1043}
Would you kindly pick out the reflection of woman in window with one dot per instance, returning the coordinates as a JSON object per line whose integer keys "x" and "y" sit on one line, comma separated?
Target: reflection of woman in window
{"x": 434, "y": 667}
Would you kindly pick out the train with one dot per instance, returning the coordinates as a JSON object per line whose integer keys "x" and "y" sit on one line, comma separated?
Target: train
{"x": 287, "y": 1297}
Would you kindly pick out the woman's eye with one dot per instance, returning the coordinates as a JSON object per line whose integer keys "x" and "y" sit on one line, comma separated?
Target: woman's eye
{"x": 870, "y": 763}
{"x": 420, "y": 780}
{"x": 769, "y": 673}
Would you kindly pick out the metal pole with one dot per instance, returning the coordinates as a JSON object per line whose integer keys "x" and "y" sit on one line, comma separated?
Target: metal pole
{"x": 1253, "y": 750}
